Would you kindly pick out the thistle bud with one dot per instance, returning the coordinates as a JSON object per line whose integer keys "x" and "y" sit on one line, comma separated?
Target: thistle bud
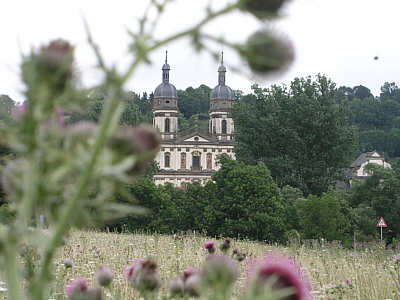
{"x": 193, "y": 286}
{"x": 226, "y": 244}
{"x": 266, "y": 53}
{"x": 103, "y": 276}
{"x": 52, "y": 67}
{"x": 219, "y": 272}
{"x": 176, "y": 287}
{"x": 142, "y": 274}
{"x": 143, "y": 140}
{"x": 76, "y": 288}
{"x": 262, "y": 8}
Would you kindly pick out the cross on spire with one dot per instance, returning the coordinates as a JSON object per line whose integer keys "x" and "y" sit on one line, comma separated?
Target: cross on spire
{"x": 222, "y": 58}
{"x": 166, "y": 56}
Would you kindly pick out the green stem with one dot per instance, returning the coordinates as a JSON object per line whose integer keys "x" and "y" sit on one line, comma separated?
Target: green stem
{"x": 11, "y": 268}
{"x": 69, "y": 215}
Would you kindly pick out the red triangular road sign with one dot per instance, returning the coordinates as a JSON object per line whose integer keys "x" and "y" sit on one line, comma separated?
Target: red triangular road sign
{"x": 381, "y": 223}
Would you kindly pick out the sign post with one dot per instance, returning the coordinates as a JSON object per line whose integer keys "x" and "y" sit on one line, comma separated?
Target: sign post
{"x": 381, "y": 224}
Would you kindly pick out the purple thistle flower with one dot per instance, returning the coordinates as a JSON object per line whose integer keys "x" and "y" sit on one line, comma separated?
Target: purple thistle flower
{"x": 397, "y": 259}
{"x": 209, "y": 246}
{"x": 189, "y": 271}
{"x": 142, "y": 274}
{"x": 348, "y": 281}
{"x": 130, "y": 269}
{"x": 287, "y": 271}
{"x": 78, "y": 285}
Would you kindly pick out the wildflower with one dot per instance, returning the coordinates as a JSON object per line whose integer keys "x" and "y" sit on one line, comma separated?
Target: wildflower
{"x": 265, "y": 52}
{"x": 219, "y": 272}
{"x": 193, "y": 285}
{"x": 209, "y": 246}
{"x": 189, "y": 271}
{"x": 143, "y": 140}
{"x": 76, "y": 287}
{"x": 287, "y": 275}
{"x": 130, "y": 269}
{"x": 348, "y": 281}
{"x": 68, "y": 263}
{"x": 176, "y": 287}
{"x": 52, "y": 67}
{"x": 103, "y": 276}
{"x": 261, "y": 8}
{"x": 226, "y": 244}
{"x": 397, "y": 259}
{"x": 142, "y": 274}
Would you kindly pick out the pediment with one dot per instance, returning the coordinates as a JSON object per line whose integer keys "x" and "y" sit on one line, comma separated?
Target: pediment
{"x": 196, "y": 138}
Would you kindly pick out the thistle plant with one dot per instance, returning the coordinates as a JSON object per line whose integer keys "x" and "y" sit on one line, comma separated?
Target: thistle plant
{"x": 70, "y": 175}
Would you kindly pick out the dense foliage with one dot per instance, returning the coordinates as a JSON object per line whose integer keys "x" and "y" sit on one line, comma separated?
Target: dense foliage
{"x": 243, "y": 201}
{"x": 300, "y": 133}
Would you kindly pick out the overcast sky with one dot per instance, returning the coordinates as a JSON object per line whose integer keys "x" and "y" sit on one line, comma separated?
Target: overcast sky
{"x": 339, "y": 38}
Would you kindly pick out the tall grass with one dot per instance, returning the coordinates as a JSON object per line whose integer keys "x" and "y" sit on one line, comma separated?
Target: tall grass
{"x": 334, "y": 273}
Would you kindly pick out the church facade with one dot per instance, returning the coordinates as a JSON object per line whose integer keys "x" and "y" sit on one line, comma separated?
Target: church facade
{"x": 191, "y": 157}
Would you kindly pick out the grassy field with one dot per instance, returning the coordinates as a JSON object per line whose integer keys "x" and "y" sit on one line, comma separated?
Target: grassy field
{"x": 335, "y": 273}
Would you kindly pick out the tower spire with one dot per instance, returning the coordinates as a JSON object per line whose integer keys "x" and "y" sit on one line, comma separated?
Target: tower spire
{"x": 221, "y": 71}
{"x": 165, "y": 69}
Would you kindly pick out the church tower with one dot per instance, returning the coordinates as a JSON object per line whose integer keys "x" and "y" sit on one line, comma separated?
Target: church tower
{"x": 221, "y": 100}
{"x": 165, "y": 106}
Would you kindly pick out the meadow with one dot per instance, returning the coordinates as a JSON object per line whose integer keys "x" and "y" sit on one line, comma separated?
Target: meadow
{"x": 335, "y": 273}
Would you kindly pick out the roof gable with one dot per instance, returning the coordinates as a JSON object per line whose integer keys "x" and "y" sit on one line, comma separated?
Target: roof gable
{"x": 196, "y": 138}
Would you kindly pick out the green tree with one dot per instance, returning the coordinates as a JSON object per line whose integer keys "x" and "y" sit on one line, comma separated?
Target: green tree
{"x": 381, "y": 192}
{"x": 300, "y": 133}
{"x": 322, "y": 217}
{"x": 247, "y": 202}
{"x": 194, "y": 100}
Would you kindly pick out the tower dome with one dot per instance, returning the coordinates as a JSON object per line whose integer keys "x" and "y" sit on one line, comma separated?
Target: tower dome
{"x": 222, "y": 91}
{"x": 165, "y": 90}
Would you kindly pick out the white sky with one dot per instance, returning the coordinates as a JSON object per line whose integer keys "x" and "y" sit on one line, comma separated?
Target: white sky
{"x": 338, "y": 38}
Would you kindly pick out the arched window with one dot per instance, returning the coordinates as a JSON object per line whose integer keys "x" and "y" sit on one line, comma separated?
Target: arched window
{"x": 167, "y": 158}
{"x": 183, "y": 161}
{"x": 209, "y": 161}
{"x": 223, "y": 126}
{"x": 166, "y": 125}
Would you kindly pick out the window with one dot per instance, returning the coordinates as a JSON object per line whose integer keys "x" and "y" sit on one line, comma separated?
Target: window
{"x": 209, "y": 161}
{"x": 167, "y": 125}
{"x": 196, "y": 138}
{"x": 223, "y": 126}
{"x": 183, "y": 160}
{"x": 196, "y": 160}
{"x": 205, "y": 150}
{"x": 167, "y": 160}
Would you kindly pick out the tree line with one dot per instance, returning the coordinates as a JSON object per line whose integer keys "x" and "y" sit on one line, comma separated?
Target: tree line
{"x": 293, "y": 144}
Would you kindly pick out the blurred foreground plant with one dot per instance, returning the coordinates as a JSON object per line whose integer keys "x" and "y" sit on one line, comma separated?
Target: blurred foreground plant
{"x": 71, "y": 174}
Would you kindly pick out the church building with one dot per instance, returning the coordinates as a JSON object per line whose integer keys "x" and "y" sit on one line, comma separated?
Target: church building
{"x": 191, "y": 157}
